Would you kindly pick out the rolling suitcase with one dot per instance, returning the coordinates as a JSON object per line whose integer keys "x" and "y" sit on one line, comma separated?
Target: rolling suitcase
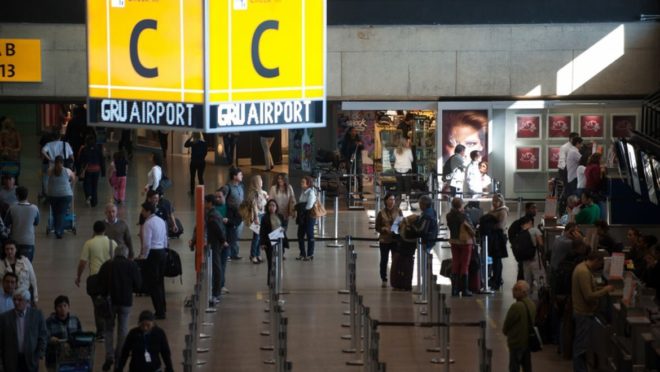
{"x": 401, "y": 272}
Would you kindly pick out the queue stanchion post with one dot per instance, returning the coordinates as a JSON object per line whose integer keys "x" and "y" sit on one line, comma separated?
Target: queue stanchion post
{"x": 209, "y": 279}
{"x": 520, "y": 207}
{"x": 336, "y": 243}
{"x": 322, "y": 219}
{"x": 420, "y": 267}
{"x": 608, "y": 210}
{"x": 352, "y": 299}
{"x": 484, "y": 352}
{"x": 355, "y": 339}
{"x": 280, "y": 271}
{"x": 484, "y": 253}
{"x": 347, "y": 278}
{"x": 435, "y": 315}
{"x": 427, "y": 260}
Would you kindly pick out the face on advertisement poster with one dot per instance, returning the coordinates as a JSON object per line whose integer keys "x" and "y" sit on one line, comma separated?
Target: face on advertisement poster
{"x": 466, "y": 127}
{"x": 591, "y": 126}
{"x": 559, "y": 125}
{"x": 553, "y": 157}
{"x": 528, "y": 126}
{"x": 622, "y": 125}
{"x": 528, "y": 158}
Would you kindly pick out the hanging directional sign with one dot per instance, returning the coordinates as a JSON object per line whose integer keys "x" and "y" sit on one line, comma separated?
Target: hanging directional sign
{"x": 215, "y": 65}
{"x": 20, "y": 60}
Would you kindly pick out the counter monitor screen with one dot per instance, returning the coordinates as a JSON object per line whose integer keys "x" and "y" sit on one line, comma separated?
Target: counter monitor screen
{"x": 648, "y": 177}
{"x": 634, "y": 170}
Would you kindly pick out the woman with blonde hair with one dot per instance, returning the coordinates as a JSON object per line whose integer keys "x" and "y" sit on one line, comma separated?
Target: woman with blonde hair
{"x": 282, "y": 192}
{"x": 257, "y": 198}
{"x": 403, "y": 159}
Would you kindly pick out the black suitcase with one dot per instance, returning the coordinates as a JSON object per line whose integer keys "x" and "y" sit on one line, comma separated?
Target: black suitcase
{"x": 445, "y": 267}
{"x": 401, "y": 272}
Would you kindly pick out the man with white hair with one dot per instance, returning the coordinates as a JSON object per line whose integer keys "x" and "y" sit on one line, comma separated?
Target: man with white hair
{"x": 516, "y": 328}
{"x": 22, "y": 336}
{"x": 117, "y": 229}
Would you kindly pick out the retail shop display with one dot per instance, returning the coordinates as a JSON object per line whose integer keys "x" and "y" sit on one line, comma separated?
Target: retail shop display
{"x": 528, "y": 126}
{"x": 622, "y": 125}
{"x": 592, "y": 126}
{"x": 559, "y": 125}
{"x": 528, "y": 158}
{"x": 423, "y": 145}
{"x": 553, "y": 157}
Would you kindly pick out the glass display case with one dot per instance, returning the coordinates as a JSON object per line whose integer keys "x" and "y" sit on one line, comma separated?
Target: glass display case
{"x": 423, "y": 142}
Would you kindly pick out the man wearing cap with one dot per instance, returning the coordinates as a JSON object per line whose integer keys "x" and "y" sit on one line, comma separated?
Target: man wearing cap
{"x": 22, "y": 336}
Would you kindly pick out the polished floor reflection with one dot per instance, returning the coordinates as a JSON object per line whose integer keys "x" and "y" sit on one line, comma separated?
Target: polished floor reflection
{"x": 313, "y": 306}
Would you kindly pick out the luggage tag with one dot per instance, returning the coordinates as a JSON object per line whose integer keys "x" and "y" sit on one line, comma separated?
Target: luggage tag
{"x": 147, "y": 357}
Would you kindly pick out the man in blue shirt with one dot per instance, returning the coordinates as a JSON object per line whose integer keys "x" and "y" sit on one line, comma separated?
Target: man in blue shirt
{"x": 9, "y": 281}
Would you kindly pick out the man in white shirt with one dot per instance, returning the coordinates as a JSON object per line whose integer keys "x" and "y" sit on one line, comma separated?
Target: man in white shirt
{"x": 473, "y": 183}
{"x": 563, "y": 152}
{"x": 572, "y": 163}
{"x": 57, "y": 147}
{"x": 154, "y": 242}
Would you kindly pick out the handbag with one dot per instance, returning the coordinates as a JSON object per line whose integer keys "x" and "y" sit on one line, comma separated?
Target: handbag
{"x": 318, "y": 210}
{"x": 165, "y": 183}
{"x": 466, "y": 233}
{"x": 533, "y": 338}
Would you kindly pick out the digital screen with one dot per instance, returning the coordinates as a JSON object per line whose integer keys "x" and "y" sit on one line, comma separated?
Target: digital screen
{"x": 634, "y": 170}
{"x": 648, "y": 177}
{"x": 655, "y": 164}
{"x": 620, "y": 151}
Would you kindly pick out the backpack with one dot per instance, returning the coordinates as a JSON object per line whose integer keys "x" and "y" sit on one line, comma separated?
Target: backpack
{"x": 408, "y": 231}
{"x": 173, "y": 266}
{"x": 513, "y": 232}
{"x": 446, "y": 169}
{"x": 246, "y": 210}
{"x": 524, "y": 249}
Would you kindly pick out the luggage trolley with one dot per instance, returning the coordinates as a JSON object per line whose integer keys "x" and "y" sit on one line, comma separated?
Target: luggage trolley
{"x": 76, "y": 354}
{"x": 69, "y": 218}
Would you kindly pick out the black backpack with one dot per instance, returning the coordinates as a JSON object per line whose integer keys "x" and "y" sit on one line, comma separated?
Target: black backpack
{"x": 513, "y": 231}
{"x": 446, "y": 169}
{"x": 524, "y": 249}
{"x": 173, "y": 264}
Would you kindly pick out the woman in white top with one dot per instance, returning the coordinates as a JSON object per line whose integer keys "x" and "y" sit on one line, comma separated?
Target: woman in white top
{"x": 14, "y": 262}
{"x": 473, "y": 186}
{"x": 282, "y": 192}
{"x": 155, "y": 174}
{"x": 258, "y": 198}
{"x": 305, "y": 219}
{"x": 486, "y": 181}
{"x": 403, "y": 159}
{"x": 581, "y": 179}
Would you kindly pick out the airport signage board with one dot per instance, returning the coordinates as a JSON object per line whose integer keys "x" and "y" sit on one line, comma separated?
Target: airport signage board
{"x": 20, "y": 60}
{"x": 211, "y": 65}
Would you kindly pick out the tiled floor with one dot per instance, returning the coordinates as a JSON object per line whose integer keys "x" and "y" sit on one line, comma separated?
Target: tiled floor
{"x": 313, "y": 306}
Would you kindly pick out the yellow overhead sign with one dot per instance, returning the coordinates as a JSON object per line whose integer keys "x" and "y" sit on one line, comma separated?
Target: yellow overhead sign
{"x": 266, "y": 63}
{"x": 20, "y": 60}
{"x": 217, "y": 65}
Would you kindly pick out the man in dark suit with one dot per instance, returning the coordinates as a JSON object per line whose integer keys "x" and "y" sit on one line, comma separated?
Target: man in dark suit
{"x": 22, "y": 336}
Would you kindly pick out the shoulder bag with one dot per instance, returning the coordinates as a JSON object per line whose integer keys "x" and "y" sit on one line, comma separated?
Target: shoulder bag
{"x": 534, "y": 338}
{"x": 318, "y": 210}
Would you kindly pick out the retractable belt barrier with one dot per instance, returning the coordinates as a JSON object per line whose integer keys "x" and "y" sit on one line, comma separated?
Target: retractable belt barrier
{"x": 278, "y": 331}
{"x": 365, "y": 338}
{"x": 200, "y": 296}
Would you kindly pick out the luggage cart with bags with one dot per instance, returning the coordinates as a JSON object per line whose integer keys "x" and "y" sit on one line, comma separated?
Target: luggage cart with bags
{"x": 76, "y": 354}
{"x": 69, "y": 219}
